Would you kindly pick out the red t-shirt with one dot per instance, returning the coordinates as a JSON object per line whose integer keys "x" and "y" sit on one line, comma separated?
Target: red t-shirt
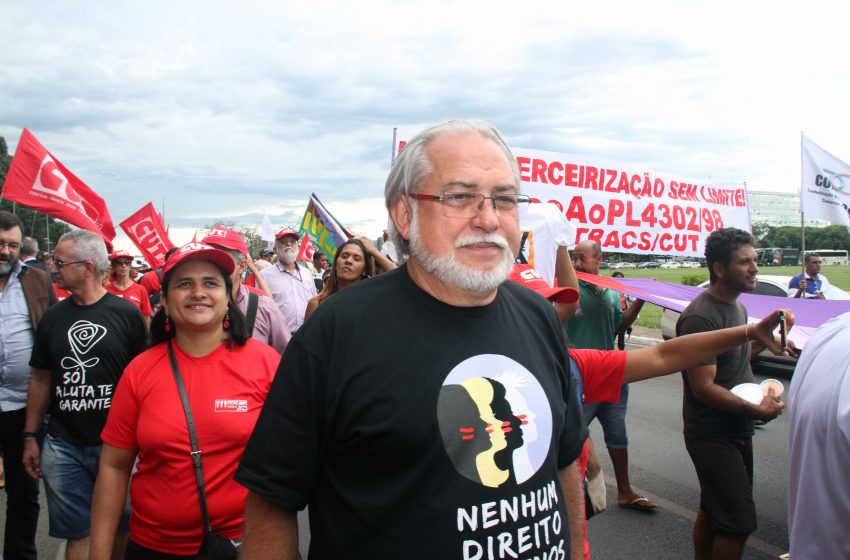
{"x": 602, "y": 373}
{"x": 61, "y": 293}
{"x": 226, "y": 390}
{"x": 135, "y": 294}
{"x": 151, "y": 282}
{"x": 601, "y": 379}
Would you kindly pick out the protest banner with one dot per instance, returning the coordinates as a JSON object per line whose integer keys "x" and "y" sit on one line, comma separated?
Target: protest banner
{"x": 325, "y": 232}
{"x": 38, "y": 180}
{"x": 147, "y": 232}
{"x": 825, "y": 185}
{"x": 627, "y": 209}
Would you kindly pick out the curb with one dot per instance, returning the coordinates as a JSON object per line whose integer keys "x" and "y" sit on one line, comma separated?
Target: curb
{"x": 643, "y": 340}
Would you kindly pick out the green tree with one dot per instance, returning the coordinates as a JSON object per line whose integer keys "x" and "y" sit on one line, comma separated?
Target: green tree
{"x": 762, "y": 232}
{"x": 252, "y": 236}
{"x": 36, "y": 224}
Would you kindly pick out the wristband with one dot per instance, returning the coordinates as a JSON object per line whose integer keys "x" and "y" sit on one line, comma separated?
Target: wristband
{"x": 747, "y": 333}
{"x": 26, "y": 435}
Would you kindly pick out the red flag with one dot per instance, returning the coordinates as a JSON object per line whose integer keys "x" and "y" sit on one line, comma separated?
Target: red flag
{"x": 36, "y": 179}
{"x": 146, "y": 230}
{"x": 306, "y": 249}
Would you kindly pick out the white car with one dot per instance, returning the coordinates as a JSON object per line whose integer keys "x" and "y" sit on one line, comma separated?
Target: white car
{"x": 671, "y": 264}
{"x": 768, "y": 285}
{"x": 625, "y": 265}
{"x": 691, "y": 264}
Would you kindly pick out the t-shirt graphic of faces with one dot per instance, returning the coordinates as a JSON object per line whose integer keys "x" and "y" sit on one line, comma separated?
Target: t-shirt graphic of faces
{"x": 495, "y": 421}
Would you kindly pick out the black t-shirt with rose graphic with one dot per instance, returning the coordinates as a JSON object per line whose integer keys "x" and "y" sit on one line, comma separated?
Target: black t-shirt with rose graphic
{"x": 86, "y": 348}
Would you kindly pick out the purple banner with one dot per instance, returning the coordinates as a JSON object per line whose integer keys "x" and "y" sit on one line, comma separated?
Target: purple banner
{"x": 808, "y": 312}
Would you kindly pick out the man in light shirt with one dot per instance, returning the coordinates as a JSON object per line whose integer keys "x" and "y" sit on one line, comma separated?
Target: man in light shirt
{"x": 291, "y": 284}
{"x": 25, "y": 294}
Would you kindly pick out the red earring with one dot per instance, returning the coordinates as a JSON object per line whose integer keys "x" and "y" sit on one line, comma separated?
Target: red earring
{"x": 167, "y": 325}
{"x": 226, "y": 322}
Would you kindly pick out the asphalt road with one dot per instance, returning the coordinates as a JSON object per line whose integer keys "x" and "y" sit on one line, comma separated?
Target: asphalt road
{"x": 660, "y": 469}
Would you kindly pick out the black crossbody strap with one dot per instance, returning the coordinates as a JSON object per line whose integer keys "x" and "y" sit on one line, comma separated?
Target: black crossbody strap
{"x": 251, "y": 315}
{"x": 196, "y": 453}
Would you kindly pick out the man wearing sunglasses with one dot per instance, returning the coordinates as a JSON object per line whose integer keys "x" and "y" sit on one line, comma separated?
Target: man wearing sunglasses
{"x": 121, "y": 284}
{"x": 457, "y": 435}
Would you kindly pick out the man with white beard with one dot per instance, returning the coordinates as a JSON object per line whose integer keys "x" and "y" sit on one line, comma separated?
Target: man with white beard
{"x": 291, "y": 285}
{"x": 404, "y": 448}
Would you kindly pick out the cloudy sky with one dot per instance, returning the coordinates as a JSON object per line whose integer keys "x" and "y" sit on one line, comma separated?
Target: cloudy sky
{"x": 222, "y": 110}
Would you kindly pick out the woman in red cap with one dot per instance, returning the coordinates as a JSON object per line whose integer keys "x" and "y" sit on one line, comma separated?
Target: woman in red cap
{"x": 200, "y": 339}
{"x": 123, "y": 286}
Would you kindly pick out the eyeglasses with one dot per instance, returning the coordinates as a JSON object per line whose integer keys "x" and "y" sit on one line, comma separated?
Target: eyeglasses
{"x": 59, "y": 264}
{"x": 122, "y": 263}
{"x": 10, "y": 246}
{"x": 468, "y": 205}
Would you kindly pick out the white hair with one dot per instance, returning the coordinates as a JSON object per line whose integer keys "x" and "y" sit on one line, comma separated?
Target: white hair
{"x": 412, "y": 165}
{"x": 88, "y": 246}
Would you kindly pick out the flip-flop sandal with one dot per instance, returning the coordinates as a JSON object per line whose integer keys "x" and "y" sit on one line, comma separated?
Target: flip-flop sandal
{"x": 640, "y": 504}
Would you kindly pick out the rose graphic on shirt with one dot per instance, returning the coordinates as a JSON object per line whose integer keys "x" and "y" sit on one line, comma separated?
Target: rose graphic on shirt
{"x": 82, "y": 337}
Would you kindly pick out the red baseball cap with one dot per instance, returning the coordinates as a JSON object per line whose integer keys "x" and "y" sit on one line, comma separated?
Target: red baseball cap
{"x": 226, "y": 238}
{"x": 120, "y": 255}
{"x": 529, "y": 277}
{"x": 287, "y": 231}
{"x": 199, "y": 252}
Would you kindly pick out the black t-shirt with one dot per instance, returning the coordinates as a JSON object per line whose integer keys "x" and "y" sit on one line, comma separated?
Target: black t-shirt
{"x": 86, "y": 348}
{"x": 707, "y": 313}
{"x": 414, "y": 429}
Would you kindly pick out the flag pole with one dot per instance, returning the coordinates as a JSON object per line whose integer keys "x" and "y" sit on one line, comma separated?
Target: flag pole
{"x": 803, "y": 242}
{"x": 802, "y": 214}
{"x": 392, "y": 150}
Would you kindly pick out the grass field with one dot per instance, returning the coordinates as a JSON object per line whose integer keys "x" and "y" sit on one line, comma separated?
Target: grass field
{"x": 650, "y": 315}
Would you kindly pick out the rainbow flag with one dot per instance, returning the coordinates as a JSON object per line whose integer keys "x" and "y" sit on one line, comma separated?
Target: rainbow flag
{"x": 325, "y": 231}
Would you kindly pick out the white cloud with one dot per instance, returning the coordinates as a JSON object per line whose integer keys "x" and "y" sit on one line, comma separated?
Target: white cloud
{"x": 225, "y": 109}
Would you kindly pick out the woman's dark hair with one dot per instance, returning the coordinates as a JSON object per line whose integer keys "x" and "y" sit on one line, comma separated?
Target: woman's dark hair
{"x": 332, "y": 285}
{"x": 238, "y": 330}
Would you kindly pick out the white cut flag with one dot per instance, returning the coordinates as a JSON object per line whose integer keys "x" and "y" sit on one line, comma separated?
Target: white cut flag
{"x": 825, "y": 190}
{"x": 268, "y": 231}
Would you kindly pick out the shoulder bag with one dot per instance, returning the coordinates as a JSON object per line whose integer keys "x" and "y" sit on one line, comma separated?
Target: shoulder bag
{"x": 213, "y": 545}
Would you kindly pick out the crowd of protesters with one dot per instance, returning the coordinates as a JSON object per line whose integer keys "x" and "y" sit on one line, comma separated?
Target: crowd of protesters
{"x": 395, "y": 387}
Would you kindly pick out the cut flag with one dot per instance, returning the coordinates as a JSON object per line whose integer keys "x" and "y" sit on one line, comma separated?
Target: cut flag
{"x": 326, "y": 233}
{"x": 306, "y": 249}
{"x": 39, "y": 181}
{"x": 825, "y": 188}
{"x": 147, "y": 232}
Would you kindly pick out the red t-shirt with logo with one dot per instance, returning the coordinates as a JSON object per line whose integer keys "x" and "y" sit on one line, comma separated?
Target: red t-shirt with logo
{"x": 226, "y": 391}
{"x": 135, "y": 294}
